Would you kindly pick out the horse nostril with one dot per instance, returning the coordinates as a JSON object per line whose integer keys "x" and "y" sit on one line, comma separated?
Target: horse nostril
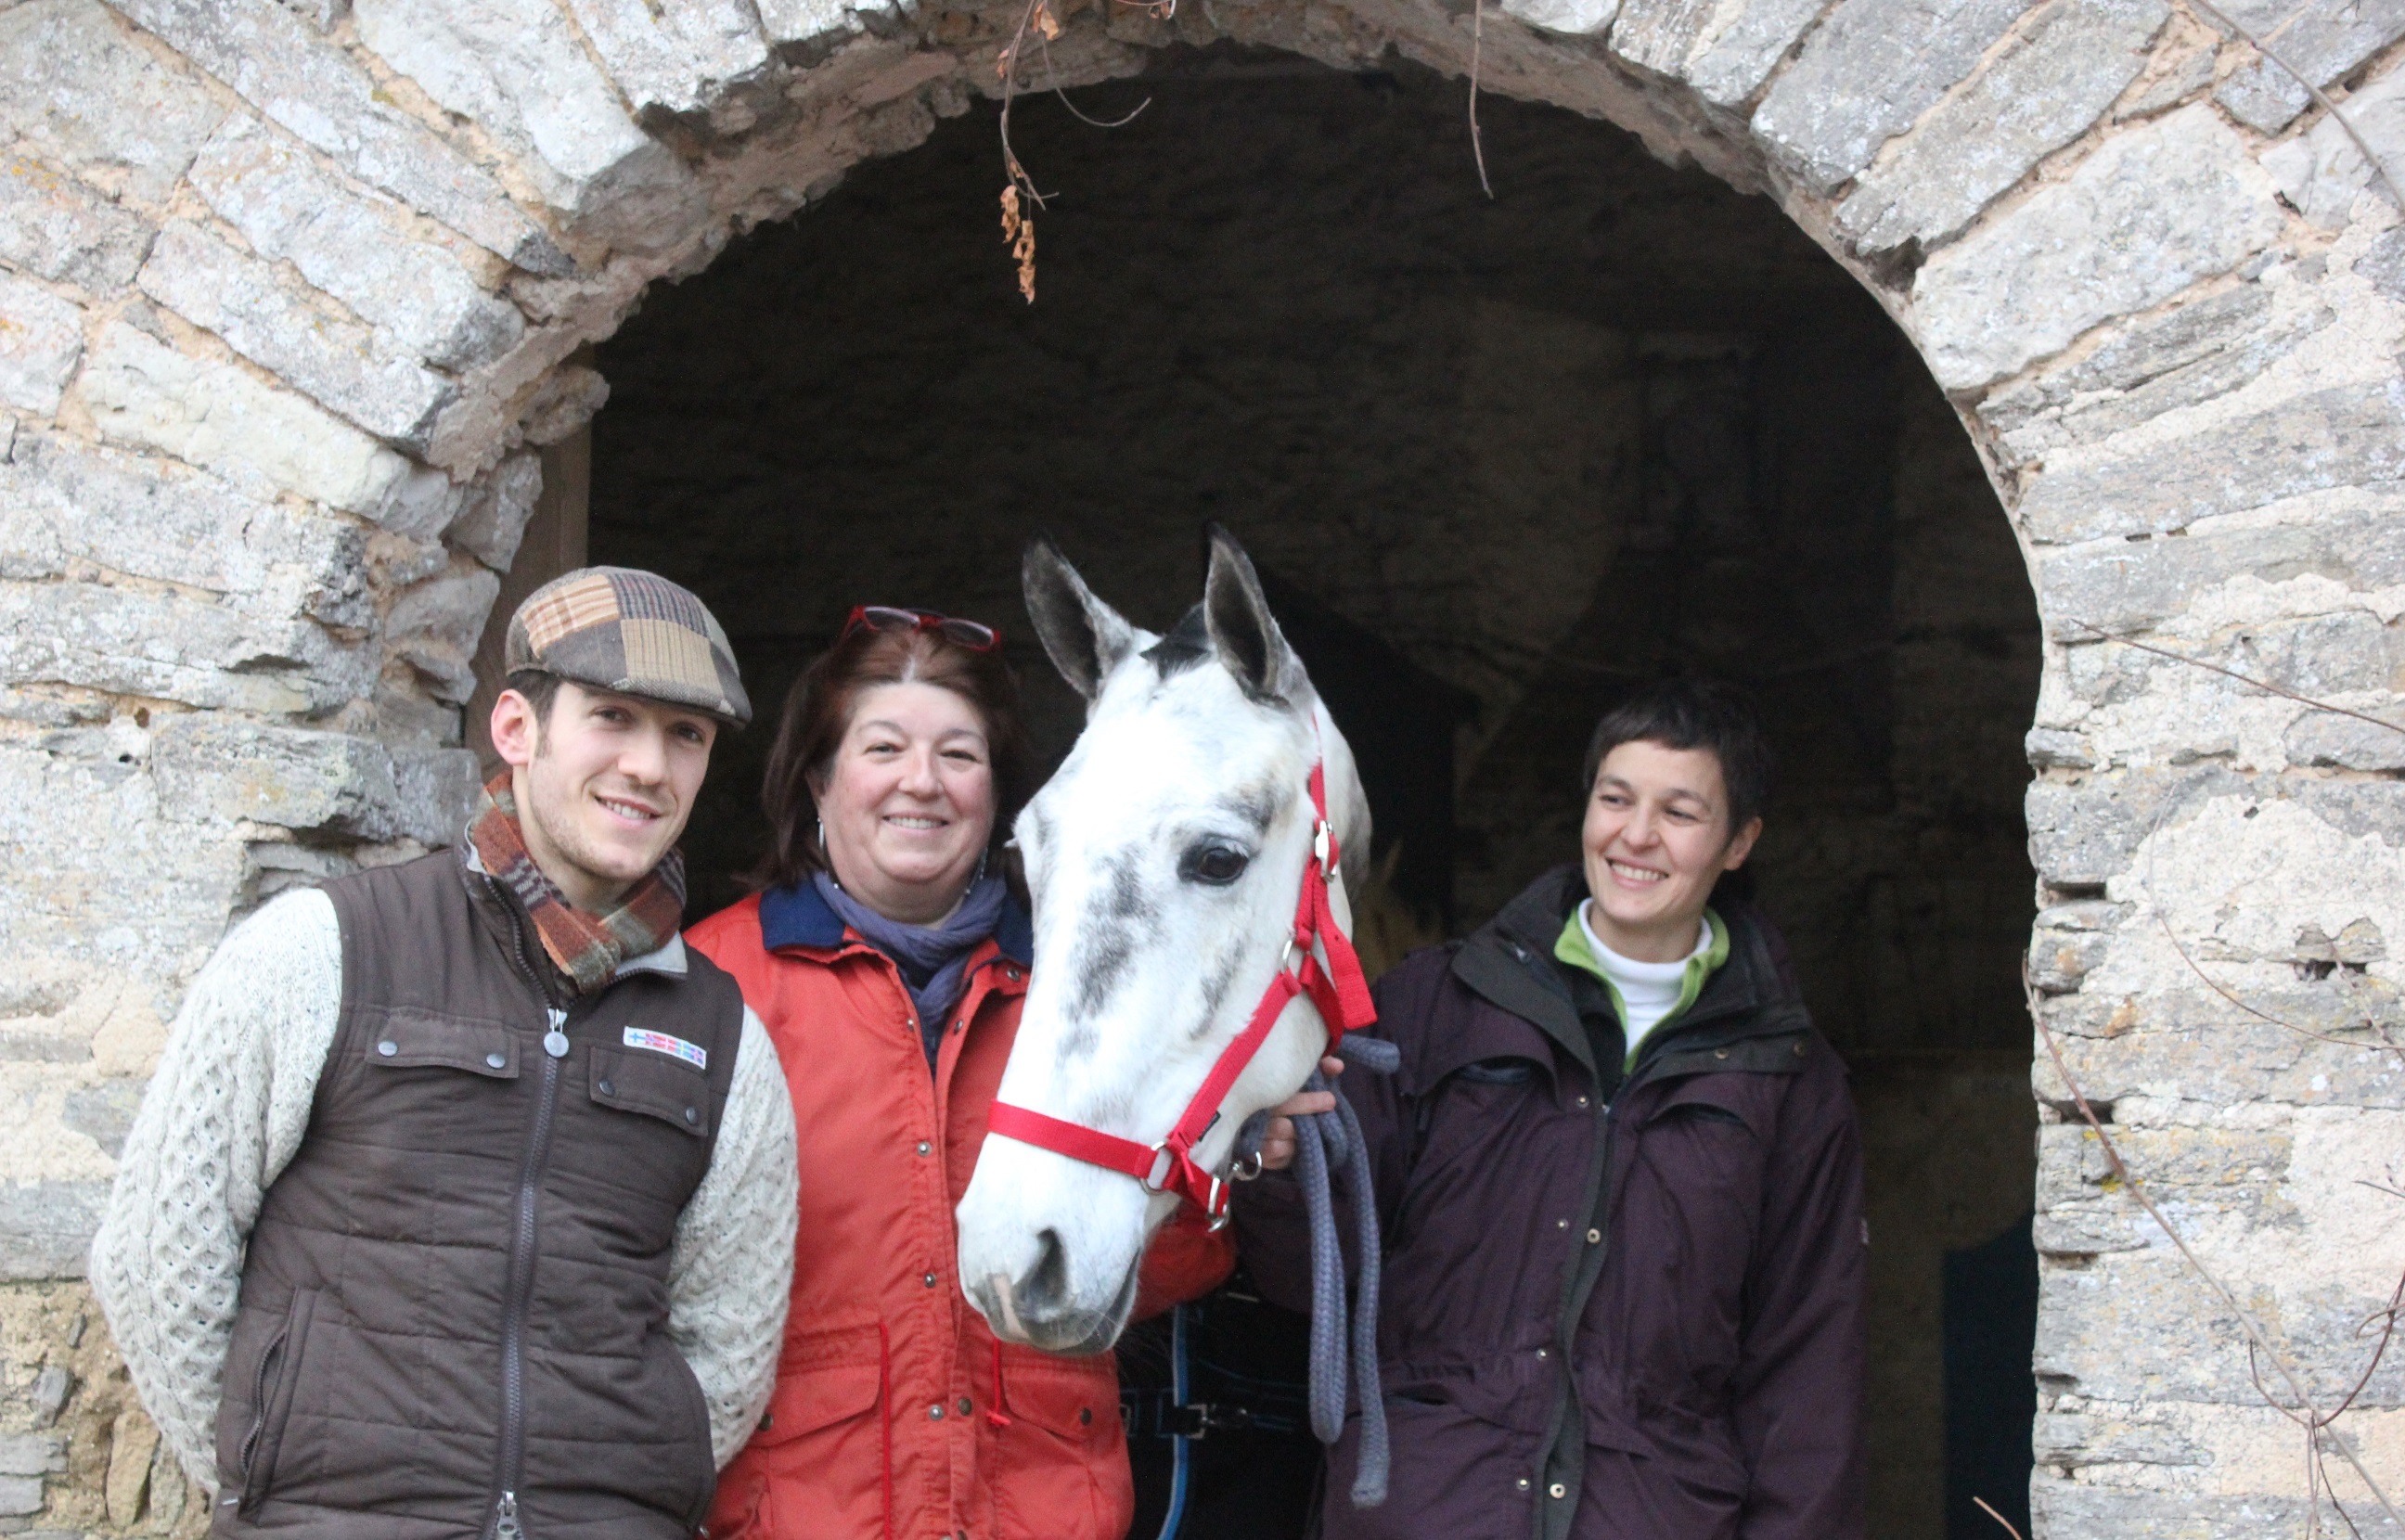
{"x": 1046, "y": 1287}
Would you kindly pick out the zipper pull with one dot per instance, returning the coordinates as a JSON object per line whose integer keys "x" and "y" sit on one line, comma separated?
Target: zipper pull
{"x": 554, "y": 1042}
{"x": 505, "y": 1519}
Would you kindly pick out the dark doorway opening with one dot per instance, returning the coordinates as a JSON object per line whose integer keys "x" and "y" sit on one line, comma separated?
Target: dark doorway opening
{"x": 1504, "y": 459}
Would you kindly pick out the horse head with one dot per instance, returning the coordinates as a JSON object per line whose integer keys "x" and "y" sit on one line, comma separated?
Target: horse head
{"x": 1165, "y": 860}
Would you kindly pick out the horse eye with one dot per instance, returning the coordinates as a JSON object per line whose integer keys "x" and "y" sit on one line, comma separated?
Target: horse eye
{"x": 1214, "y": 865}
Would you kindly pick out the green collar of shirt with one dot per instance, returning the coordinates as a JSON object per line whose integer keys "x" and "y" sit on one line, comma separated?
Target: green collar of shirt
{"x": 1570, "y": 946}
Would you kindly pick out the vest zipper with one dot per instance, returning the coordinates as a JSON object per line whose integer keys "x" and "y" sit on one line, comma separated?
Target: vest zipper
{"x": 520, "y": 1296}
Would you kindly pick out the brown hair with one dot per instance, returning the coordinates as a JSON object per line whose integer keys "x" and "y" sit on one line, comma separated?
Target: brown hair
{"x": 818, "y": 713}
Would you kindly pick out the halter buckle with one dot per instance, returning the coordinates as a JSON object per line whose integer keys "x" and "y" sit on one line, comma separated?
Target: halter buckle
{"x": 1164, "y": 1166}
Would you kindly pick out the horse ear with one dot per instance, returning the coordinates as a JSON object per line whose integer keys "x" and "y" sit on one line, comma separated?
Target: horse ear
{"x": 1085, "y": 638}
{"x": 1242, "y": 631}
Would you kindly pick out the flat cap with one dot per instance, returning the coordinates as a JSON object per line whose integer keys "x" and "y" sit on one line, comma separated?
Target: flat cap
{"x": 634, "y": 632}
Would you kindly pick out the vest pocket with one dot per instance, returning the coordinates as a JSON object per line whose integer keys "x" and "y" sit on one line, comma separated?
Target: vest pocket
{"x": 413, "y": 1040}
{"x": 279, "y": 1371}
{"x": 638, "y": 1081}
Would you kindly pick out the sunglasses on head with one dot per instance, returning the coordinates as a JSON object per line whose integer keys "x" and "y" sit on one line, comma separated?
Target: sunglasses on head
{"x": 972, "y": 634}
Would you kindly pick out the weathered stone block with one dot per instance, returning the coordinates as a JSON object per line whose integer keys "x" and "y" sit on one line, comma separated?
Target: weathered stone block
{"x": 2085, "y": 835}
{"x": 2190, "y": 356}
{"x": 72, "y": 82}
{"x": 2044, "y": 91}
{"x": 515, "y": 67}
{"x": 2325, "y": 739}
{"x": 2322, "y": 38}
{"x": 2064, "y": 1509}
{"x": 2069, "y": 1439}
{"x": 2345, "y": 437}
{"x": 1573, "y": 18}
{"x": 2129, "y": 585}
{"x": 41, "y": 336}
{"x": 1658, "y": 34}
{"x": 1874, "y": 67}
{"x": 2383, "y": 266}
{"x": 2322, "y": 171}
{"x": 62, "y": 500}
{"x": 166, "y": 646}
{"x": 2151, "y": 212}
{"x": 46, "y": 1228}
{"x": 435, "y": 627}
{"x": 318, "y": 92}
{"x": 361, "y": 250}
{"x": 32, "y": 1453}
{"x": 495, "y": 519}
{"x": 676, "y": 56}
{"x": 55, "y": 226}
{"x": 332, "y": 361}
{"x": 311, "y": 782}
{"x": 262, "y": 440}
{"x": 1742, "y": 43}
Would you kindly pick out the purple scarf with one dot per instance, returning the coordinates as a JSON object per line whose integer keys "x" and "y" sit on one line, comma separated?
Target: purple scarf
{"x": 933, "y": 960}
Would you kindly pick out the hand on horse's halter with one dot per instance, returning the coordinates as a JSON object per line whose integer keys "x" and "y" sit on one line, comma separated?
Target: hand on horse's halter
{"x": 1277, "y": 1141}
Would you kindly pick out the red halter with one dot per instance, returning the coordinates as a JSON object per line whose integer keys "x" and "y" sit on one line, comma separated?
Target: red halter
{"x": 1340, "y": 993}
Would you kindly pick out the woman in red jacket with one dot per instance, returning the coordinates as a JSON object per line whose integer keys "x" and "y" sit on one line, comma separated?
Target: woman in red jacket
{"x": 888, "y": 956}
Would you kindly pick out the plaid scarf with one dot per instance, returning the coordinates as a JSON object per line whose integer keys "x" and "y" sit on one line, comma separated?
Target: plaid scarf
{"x": 587, "y": 947}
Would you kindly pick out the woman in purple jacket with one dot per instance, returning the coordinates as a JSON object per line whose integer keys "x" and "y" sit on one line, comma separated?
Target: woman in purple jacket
{"x": 1621, "y": 1187}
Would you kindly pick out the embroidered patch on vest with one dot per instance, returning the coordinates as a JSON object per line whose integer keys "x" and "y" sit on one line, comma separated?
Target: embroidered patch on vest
{"x": 675, "y": 1047}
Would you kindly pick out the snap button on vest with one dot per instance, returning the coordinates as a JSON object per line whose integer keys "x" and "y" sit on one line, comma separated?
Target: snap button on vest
{"x": 387, "y": 1047}
{"x": 607, "y": 1088}
{"x": 496, "y": 1060}
{"x": 693, "y": 1114}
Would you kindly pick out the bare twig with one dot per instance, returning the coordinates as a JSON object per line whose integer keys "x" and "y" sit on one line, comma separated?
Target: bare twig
{"x": 2321, "y": 98}
{"x": 1477, "y": 51}
{"x": 1998, "y": 1518}
{"x": 2103, "y": 635}
{"x": 2214, "y": 985}
{"x": 1053, "y": 76}
{"x": 2259, "y": 1341}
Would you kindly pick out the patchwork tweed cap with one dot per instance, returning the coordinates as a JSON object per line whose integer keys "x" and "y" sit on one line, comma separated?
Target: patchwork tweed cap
{"x": 617, "y": 628}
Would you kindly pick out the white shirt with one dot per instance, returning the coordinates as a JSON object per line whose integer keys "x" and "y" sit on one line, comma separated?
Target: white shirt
{"x": 1648, "y": 990}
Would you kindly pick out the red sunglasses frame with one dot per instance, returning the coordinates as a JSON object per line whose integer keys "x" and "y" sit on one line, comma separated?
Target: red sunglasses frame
{"x": 894, "y": 617}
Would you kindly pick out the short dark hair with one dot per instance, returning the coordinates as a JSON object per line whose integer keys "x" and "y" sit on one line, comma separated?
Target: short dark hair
{"x": 1687, "y": 713}
{"x": 818, "y": 713}
{"x": 539, "y": 690}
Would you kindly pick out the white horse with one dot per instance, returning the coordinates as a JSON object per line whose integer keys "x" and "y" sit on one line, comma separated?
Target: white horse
{"x": 1165, "y": 860}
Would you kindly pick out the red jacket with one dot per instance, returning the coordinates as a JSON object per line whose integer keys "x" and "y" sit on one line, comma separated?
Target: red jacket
{"x": 896, "y": 1413}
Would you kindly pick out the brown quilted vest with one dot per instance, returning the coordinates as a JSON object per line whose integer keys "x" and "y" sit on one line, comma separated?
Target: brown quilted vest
{"x": 454, "y": 1318}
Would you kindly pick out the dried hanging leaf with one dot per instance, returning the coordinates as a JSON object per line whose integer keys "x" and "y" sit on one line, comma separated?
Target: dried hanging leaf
{"x": 1002, "y": 61}
{"x": 1045, "y": 23}
{"x": 1018, "y": 229}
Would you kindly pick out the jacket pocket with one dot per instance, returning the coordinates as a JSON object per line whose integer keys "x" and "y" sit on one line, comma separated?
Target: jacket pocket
{"x": 271, "y": 1388}
{"x": 816, "y": 1465}
{"x": 635, "y": 1080}
{"x": 1058, "y": 1463}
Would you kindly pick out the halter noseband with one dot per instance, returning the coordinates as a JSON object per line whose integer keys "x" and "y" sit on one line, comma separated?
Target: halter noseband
{"x": 1339, "y": 991}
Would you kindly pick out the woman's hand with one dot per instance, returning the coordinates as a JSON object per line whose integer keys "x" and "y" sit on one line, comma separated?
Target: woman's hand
{"x": 1278, "y": 1142}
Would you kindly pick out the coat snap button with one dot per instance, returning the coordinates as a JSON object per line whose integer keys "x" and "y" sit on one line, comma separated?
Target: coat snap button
{"x": 1799, "y": 1050}
{"x": 767, "y": 1420}
{"x": 965, "y": 1406}
{"x": 1561, "y": 1223}
{"x": 929, "y": 1279}
{"x": 497, "y": 1061}
{"x": 609, "y": 1087}
{"x": 1720, "y": 1053}
{"x": 387, "y": 1047}
{"x": 1557, "y": 1490}
{"x": 1084, "y": 1416}
{"x": 924, "y": 1147}
{"x": 693, "y": 1114}
{"x": 1594, "y": 1238}
{"x": 1011, "y": 973}
{"x": 1522, "y": 1483}
{"x": 1582, "y": 1101}
{"x": 934, "y": 1414}
{"x": 1545, "y": 1352}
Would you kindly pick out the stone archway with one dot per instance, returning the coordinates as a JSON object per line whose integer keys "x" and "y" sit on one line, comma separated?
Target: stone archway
{"x": 294, "y": 297}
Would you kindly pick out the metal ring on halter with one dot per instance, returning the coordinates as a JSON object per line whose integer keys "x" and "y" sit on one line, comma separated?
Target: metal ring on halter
{"x": 1245, "y": 1168}
{"x": 1218, "y": 1208}
{"x": 1287, "y": 957}
{"x": 1323, "y": 840}
{"x": 1164, "y": 1166}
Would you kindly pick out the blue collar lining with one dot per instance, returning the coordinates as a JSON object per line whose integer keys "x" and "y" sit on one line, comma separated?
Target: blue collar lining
{"x": 798, "y": 916}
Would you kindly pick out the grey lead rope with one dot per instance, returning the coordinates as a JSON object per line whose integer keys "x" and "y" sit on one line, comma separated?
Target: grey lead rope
{"x": 1328, "y": 1142}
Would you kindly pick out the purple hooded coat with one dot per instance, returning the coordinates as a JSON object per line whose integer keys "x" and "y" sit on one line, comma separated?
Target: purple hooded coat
{"x": 1613, "y": 1309}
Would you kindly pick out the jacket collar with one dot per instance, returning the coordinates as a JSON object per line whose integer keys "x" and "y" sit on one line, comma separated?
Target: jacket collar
{"x": 1509, "y": 962}
{"x": 798, "y": 917}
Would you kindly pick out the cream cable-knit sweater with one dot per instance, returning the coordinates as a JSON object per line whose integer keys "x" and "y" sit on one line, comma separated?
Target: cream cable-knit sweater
{"x": 225, "y": 1114}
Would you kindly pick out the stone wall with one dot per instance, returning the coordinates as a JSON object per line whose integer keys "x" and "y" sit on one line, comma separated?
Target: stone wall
{"x": 294, "y": 294}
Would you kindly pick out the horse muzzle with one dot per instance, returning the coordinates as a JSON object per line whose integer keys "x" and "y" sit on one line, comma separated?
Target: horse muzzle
{"x": 1038, "y": 1308}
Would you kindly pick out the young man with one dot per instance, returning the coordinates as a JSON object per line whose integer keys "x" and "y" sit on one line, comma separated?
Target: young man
{"x": 462, "y": 1200}
{"x": 1621, "y": 1187}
